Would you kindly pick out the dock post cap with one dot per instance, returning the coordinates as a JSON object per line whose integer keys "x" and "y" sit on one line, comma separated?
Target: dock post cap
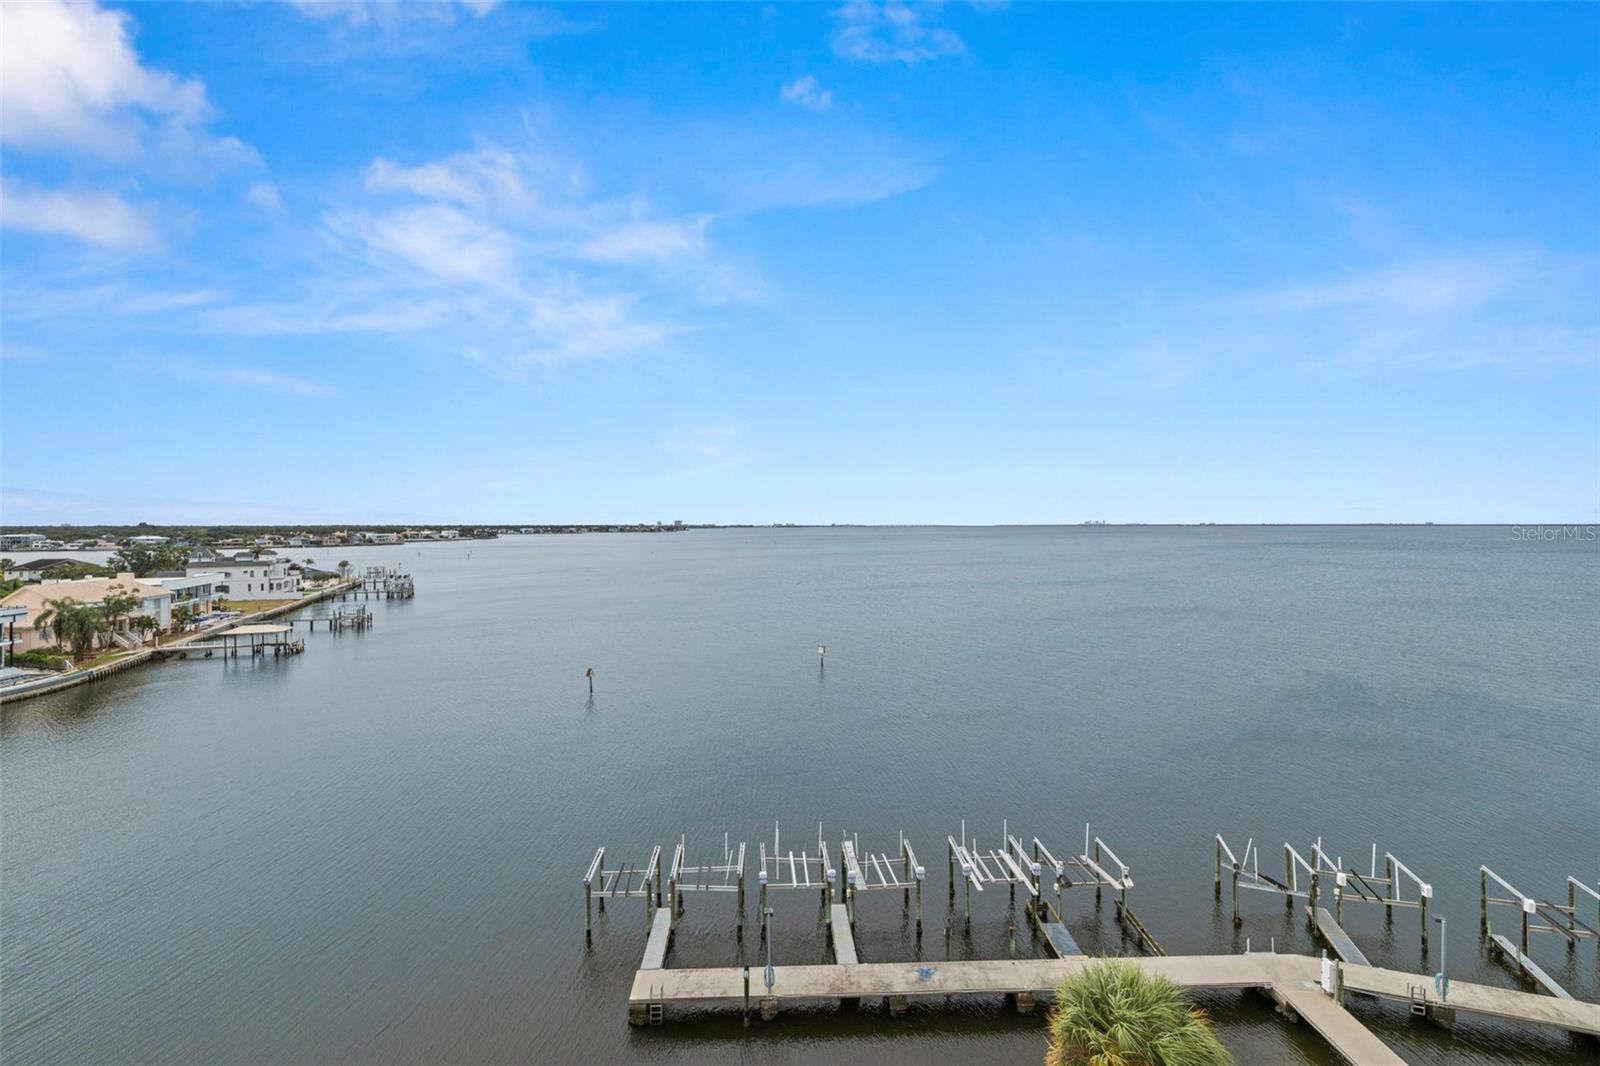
{"x": 1341, "y": 879}
{"x": 1530, "y": 906}
{"x": 762, "y": 874}
{"x": 1425, "y": 890}
{"x": 921, "y": 873}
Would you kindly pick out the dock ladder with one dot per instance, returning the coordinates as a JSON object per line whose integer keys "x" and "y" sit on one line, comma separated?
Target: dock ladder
{"x": 656, "y": 1008}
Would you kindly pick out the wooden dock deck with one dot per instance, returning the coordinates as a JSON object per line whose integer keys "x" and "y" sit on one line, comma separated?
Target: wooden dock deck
{"x": 1507, "y": 1004}
{"x": 844, "y": 941}
{"x": 1528, "y": 967}
{"x": 655, "y": 949}
{"x": 1293, "y": 980}
{"x": 1339, "y": 940}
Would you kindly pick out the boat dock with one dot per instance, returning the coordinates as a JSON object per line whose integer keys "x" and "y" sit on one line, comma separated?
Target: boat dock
{"x": 1305, "y": 989}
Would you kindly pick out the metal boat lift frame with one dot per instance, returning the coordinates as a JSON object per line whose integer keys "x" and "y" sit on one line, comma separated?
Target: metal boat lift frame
{"x": 623, "y": 882}
{"x": 1348, "y": 882}
{"x": 880, "y": 871}
{"x": 1557, "y": 919}
{"x": 787, "y": 870}
{"x": 724, "y": 876}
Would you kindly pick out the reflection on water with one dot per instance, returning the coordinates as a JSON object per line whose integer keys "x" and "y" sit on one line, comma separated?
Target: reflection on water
{"x": 374, "y": 850}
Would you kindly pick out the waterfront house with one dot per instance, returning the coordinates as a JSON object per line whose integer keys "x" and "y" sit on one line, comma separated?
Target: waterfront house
{"x": 34, "y": 569}
{"x": 195, "y": 593}
{"x": 154, "y": 601}
{"x": 148, "y": 540}
{"x": 243, "y": 576}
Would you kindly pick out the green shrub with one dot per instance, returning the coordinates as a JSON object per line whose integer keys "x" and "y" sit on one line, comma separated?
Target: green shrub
{"x": 1116, "y": 1014}
{"x": 40, "y": 659}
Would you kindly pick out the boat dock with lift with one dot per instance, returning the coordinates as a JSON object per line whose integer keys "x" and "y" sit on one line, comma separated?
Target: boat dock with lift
{"x": 1303, "y": 987}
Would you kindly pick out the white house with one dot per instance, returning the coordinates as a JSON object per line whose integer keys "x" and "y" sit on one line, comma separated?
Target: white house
{"x": 244, "y": 577}
{"x": 195, "y": 593}
{"x": 22, "y": 541}
{"x": 148, "y": 541}
{"x": 449, "y": 534}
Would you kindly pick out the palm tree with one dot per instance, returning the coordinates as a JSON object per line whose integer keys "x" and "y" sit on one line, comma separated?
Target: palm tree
{"x": 344, "y": 568}
{"x": 78, "y": 624}
{"x": 49, "y": 617}
{"x": 144, "y": 623}
{"x": 1115, "y": 1014}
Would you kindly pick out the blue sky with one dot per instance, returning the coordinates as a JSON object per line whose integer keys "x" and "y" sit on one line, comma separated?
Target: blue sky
{"x": 957, "y": 263}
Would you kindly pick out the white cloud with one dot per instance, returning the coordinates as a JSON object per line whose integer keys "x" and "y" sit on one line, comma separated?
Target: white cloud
{"x": 32, "y": 302}
{"x": 270, "y": 381}
{"x": 1426, "y": 286}
{"x": 472, "y": 179}
{"x": 439, "y": 240}
{"x": 102, "y": 219}
{"x": 265, "y": 194}
{"x": 806, "y": 92}
{"x": 892, "y": 32}
{"x": 71, "y": 80}
{"x": 384, "y": 12}
{"x": 657, "y": 241}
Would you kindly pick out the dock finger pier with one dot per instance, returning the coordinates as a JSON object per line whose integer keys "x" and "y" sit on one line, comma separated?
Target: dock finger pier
{"x": 1047, "y": 873}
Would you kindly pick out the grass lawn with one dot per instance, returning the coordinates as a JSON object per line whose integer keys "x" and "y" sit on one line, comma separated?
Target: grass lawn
{"x": 252, "y": 606}
{"x": 101, "y": 659}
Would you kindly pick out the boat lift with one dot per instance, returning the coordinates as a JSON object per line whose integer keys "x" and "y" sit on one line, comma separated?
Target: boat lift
{"x": 643, "y": 882}
{"x": 724, "y": 876}
{"x": 1322, "y": 872}
{"x": 880, "y": 871}
{"x": 788, "y": 870}
{"x": 1557, "y": 919}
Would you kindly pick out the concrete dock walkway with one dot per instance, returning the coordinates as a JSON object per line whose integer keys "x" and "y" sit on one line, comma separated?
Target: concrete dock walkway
{"x": 1292, "y": 980}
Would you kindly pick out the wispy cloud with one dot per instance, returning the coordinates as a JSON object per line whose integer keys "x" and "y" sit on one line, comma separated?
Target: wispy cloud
{"x": 892, "y": 32}
{"x": 805, "y": 91}
{"x": 503, "y": 259}
{"x": 1425, "y": 286}
{"x": 264, "y": 194}
{"x": 97, "y": 218}
{"x": 389, "y": 12}
{"x": 40, "y": 300}
{"x": 270, "y": 381}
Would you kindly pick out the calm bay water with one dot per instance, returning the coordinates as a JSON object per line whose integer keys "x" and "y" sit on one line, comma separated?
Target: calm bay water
{"x": 375, "y": 850}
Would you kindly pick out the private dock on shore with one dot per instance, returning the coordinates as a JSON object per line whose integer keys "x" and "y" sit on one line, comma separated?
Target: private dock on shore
{"x": 1304, "y": 988}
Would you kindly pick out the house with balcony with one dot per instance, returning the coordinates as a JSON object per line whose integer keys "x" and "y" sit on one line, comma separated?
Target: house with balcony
{"x": 245, "y": 576}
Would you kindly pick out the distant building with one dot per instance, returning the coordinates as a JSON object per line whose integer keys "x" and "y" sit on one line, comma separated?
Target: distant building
{"x": 677, "y": 523}
{"x": 148, "y": 540}
{"x": 449, "y": 534}
{"x": 22, "y": 541}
